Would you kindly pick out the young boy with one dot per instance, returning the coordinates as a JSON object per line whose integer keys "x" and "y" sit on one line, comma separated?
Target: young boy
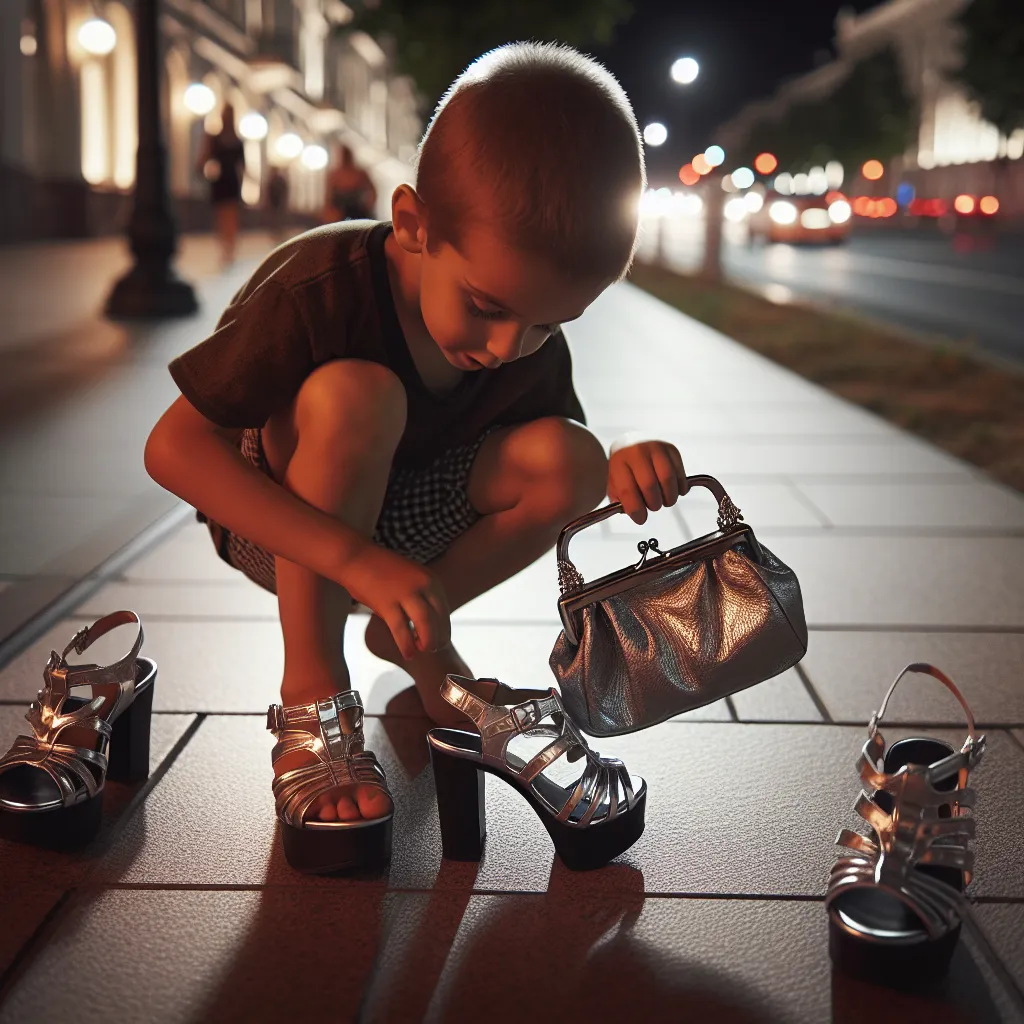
{"x": 385, "y": 413}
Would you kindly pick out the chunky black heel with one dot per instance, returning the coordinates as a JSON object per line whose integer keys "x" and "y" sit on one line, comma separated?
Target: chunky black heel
{"x": 460, "y": 802}
{"x": 129, "y": 740}
{"x": 89, "y": 723}
{"x": 330, "y": 731}
{"x": 590, "y": 821}
{"x": 896, "y": 903}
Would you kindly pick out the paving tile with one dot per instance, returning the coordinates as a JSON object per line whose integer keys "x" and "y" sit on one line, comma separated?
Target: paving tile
{"x": 974, "y": 505}
{"x": 813, "y": 458}
{"x": 34, "y": 880}
{"x": 718, "y": 711}
{"x": 781, "y": 699}
{"x": 188, "y": 554}
{"x": 202, "y": 665}
{"x": 532, "y": 595}
{"x": 444, "y": 955}
{"x": 1003, "y": 926}
{"x": 763, "y": 506}
{"x": 852, "y": 670}
{"x": 834, "y": 419}
{"x": 769, "y": 799}
{"x": 184, "y": 599}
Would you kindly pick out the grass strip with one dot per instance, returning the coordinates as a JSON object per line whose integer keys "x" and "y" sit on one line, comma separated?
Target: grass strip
{"x": 961, "y": 404}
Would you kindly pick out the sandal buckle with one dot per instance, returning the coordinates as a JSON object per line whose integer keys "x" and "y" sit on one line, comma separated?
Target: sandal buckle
{"x": 78, "y": 641}
{"x": 275, "y": 718}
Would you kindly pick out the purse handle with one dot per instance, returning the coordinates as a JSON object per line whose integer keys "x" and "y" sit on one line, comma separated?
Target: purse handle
{"x": 569, "y": 576}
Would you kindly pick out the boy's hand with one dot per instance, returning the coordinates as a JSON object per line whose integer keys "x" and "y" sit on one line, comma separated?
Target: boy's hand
{"x": 645, "y": 475}
{"x": 405, "y": 595}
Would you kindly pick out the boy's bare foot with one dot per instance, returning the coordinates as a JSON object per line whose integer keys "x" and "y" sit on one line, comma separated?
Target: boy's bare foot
{"x": 343, "y": 803}
{"x": 427, "y": 669}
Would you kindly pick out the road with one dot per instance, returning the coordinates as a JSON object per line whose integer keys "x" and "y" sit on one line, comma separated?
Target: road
{"x": 968, "y": 288}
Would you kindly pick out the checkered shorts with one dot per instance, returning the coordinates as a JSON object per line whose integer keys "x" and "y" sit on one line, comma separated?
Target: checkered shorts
{"x": 424, "y": 511}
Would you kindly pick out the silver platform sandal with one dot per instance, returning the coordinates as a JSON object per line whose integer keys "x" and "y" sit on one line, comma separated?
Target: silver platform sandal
{"x": 331, "y": 730}
{"x": 896, "y": 902}
{"x": 89, "y": 724}
{"x": 590, "y": 821}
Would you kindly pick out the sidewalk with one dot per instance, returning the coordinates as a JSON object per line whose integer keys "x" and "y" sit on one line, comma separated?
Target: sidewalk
{"x": 185, "y": 909}
{"x": 78, "y": 395}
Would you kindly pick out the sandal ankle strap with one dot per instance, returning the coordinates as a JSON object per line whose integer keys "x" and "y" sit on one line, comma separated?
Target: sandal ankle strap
{"x": 120, "y": 672}
{"x": 495, "y": 708}
{"x": 973, "y": 746}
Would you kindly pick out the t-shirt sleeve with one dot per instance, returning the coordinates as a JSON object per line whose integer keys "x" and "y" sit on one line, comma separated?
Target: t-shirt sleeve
{"x": 254, "y": 362}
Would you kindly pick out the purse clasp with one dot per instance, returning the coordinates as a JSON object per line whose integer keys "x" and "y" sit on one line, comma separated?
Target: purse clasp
{"x": 645, "y": 547}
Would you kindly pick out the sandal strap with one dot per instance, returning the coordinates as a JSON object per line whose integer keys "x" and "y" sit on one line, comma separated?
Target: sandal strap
{"x": 973, "y": 745}
{"x": 119, "y": 672}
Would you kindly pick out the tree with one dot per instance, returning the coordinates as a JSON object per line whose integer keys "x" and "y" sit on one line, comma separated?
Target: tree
{"x": 869, "y": 115}
{"x": 993, "y": 58}
{"x": 435, "y": 41}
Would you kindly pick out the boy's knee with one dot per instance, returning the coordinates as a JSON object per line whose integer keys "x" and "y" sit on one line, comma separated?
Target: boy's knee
{"x": 352, "y": 398}
{"x": 573, "y": 464}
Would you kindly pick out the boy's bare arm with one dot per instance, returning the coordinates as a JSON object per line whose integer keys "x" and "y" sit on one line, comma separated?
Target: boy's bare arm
{"x": 198, "y": 460}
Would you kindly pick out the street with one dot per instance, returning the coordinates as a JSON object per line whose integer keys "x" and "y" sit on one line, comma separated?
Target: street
{"x": 966, "y": 288}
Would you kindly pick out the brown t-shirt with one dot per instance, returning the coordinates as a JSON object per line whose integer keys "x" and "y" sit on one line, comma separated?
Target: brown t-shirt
{"x": 326, "y": 295}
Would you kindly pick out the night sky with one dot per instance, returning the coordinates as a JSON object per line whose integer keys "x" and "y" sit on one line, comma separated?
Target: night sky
{"x": 745, "y": 48}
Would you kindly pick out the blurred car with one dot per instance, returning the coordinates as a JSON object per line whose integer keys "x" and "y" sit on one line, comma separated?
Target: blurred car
{"x": 801, "y": 219}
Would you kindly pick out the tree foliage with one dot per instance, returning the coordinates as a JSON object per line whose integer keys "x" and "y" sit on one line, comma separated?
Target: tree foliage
{"x": 435, "y": 40}
{"x": 993, "y": 60}
{"x": 869, "y": 115}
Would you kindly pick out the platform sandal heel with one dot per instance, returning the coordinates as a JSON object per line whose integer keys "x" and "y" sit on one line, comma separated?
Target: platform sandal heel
{"x": 89, "y": 724}
{"x": 331, "y": 732}
{"x": 590, "y": 821}
{"x": 896, "y": 902}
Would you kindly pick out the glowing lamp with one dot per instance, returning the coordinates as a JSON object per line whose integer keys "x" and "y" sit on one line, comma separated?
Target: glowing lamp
{"x": 964, "y": 204}
{"x": 199, "y": 99}
{"x": 988, "y": 205}
{"x": 765, "y": 163}
{"x": 872, "y": 170}
{"x": 714, "y": 155}
{"x": 252, "y": 126}
{"x": 700, "y": 164}
{"x": 97, "y": 37}
{"x": 688, "y": 174}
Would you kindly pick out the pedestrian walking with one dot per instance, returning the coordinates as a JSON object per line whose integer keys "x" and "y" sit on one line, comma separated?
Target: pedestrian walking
{"x": 222, "y": 162}
{"x": 350, "y": 192}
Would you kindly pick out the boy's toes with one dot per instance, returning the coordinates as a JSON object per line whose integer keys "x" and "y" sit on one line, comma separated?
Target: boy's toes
{"x": 373, "y": 802}
{"x": 326, "y": 811}
{"x": 347, "y": 809}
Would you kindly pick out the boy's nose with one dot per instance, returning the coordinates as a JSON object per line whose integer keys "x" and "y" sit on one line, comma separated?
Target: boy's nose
{"x": 507, "y": 345}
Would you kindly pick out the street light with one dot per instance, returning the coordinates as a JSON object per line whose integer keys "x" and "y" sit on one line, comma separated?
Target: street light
{"x": 655, "y": 134}
{"x": 288, "y": 146}
{"x": 315, "y": 158}
{"x": 685, "y": 70}
{"x": 151, "y": 288}
{"x": 252, "y": 126}
{"x": 97, "y": 37}
{"x": 714, "y": 155}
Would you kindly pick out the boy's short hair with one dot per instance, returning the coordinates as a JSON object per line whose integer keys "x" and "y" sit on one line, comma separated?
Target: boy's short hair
{"x": 539, "y": 142}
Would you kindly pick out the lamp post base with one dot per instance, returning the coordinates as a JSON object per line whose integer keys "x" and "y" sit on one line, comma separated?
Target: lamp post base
{"x": 151, "y": 292}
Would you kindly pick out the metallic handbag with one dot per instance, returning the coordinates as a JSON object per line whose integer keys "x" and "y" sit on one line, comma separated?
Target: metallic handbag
{"x": 679, "y": 629}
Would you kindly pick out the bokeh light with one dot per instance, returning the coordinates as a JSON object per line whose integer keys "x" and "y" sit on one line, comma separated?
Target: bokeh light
{"x": 688, "y": 175}
{"x": 700, "y": 164}
{"x": 735, "y": 210}
{"x": 685, "y": 70}
{"x": 743, "y": 177}
{"x": 988, "y": 205}
{"x": 655, "y": 134}
{"x": 839, "y": 212}
{"x": 872, "y": 169}
{"x": 288, "y": 146}
{"x": 905, "y": 193}
{"x": 784, "y": 184}
{"x": 315, "y": 158}
{"x": 765, "y": 163}
{"x": 754, "y": 201}
{"x": 817, "y": 181}
{"x": 834, "y": 173}
{"x": 714, "y": 155}
{"x": 252, "y": 126}
{"x": 199, "y": 99}
{"x": 964, "y": 204}
{"x": 97, "y": 37}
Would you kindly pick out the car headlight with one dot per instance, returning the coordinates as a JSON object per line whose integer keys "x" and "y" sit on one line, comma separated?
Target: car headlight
{"x": 782, "y": 212}
{"x": 815, "y": 219}
{"x": 839, "y": 211}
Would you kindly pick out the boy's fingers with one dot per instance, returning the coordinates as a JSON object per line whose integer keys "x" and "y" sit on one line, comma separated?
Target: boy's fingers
{"x": 402, "y": 632}
{"x": 425, "y": 623}
{"x": 647, "y": 482}
{"x": 677, "y": 462}
{"x": 667, "y": 476}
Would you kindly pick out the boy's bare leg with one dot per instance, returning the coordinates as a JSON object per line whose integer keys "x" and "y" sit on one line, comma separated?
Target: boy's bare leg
{"x": 527, "y": 482}
{"x": 333, "y": 448}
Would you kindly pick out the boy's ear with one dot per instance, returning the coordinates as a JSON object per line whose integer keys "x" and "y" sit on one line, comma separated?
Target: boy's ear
{"x": 408, "y": 219}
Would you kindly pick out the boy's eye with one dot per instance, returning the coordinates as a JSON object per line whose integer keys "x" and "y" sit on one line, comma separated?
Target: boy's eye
{"x": 497, "y": 314}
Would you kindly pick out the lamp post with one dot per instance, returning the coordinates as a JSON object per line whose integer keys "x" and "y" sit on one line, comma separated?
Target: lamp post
{"x": 151, "y": 288}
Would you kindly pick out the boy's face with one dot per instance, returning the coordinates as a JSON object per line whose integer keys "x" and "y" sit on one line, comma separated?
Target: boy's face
{"x": 490, "y": 304}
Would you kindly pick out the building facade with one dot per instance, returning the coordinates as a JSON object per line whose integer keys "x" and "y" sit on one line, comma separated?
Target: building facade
{"x": 299, "y": 82}
{"x": 956, "y": 150}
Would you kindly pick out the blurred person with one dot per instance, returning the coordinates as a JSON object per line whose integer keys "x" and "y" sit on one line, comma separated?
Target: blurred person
{"x": 277, "y": 203}
{"x": 386, "y": 412}
{"x": 222, "y": 162}
{"x": 350, "y": 192}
